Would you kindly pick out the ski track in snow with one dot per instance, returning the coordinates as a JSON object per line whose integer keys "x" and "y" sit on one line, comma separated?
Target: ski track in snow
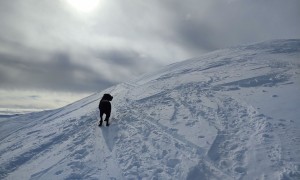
{"x": 191, "y": 120}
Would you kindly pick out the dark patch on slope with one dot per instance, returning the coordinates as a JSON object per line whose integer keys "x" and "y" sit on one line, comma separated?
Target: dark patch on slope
{"x": 264, "y": 80}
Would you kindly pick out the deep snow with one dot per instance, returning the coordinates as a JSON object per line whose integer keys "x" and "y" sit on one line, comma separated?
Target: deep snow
{"x": 230, "y": 114}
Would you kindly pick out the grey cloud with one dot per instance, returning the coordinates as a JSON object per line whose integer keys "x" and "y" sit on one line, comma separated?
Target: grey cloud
{"x": 57, "y": 74}
{"x": 41, "y": 41}
{"x": 199, "y": 26}
{"x": 130, "y": 59}
{"x": 120, "y": 56}
{"x": 197, "y": 36}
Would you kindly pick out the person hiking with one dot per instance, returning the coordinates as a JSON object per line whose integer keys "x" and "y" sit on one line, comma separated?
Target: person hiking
{"x": 105, "y": 108}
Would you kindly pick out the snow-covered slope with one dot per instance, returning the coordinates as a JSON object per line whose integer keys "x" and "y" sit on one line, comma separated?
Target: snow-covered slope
{"x": 230, "y": 114}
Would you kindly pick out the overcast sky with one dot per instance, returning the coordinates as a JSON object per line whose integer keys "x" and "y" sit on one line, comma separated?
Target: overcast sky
{"x": 59, "y": 47}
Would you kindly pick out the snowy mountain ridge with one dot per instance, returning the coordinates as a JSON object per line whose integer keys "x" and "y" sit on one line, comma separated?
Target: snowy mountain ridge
{"x": 229, "y": 114}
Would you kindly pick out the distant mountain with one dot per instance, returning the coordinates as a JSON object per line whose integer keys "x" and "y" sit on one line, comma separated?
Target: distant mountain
{"x": 229, "y": 114}
{"x": 8, "y": 116}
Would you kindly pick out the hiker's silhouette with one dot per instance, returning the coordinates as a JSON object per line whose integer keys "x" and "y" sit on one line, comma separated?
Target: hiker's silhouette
{"x": 105, "y": 108}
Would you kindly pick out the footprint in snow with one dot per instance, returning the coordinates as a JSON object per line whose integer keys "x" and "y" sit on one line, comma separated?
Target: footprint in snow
{"x": 173, "y": 162}
{"x": 240, "y": 170}
{"x": 59, "y": 172}
{"x": 32, "y": 132}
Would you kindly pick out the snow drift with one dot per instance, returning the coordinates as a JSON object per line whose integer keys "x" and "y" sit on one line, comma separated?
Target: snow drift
{"x": 230, "y": 114}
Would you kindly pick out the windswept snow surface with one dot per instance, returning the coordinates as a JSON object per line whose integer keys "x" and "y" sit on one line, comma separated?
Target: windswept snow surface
{"x": 230, "y": 114}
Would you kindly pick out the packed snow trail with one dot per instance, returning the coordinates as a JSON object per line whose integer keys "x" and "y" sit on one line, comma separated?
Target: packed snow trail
{"x": 230, "y": 114}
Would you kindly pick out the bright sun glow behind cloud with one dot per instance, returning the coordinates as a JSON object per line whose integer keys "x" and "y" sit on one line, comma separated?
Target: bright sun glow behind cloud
{"x": 85, "y": 6}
